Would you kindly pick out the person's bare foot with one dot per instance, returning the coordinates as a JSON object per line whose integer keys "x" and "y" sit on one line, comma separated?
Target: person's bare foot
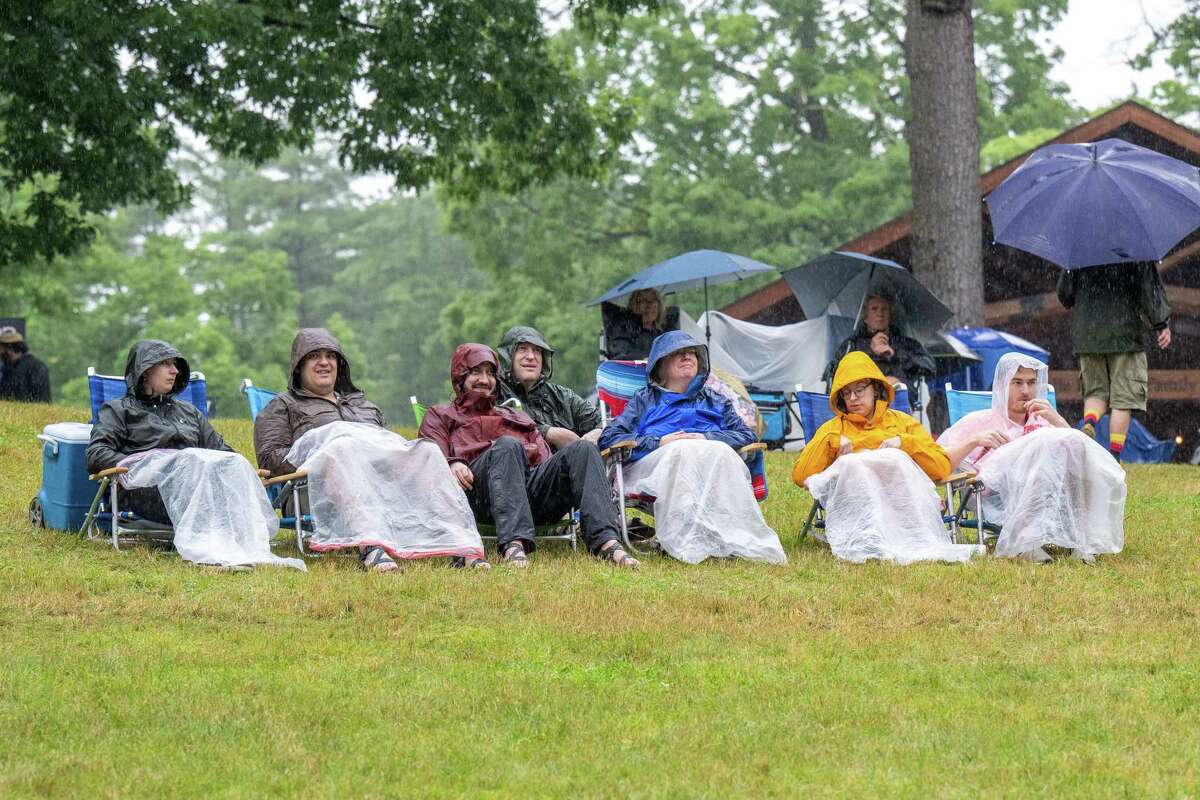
{"x": 612, "y": 551}
{"x": 514, "y": 556}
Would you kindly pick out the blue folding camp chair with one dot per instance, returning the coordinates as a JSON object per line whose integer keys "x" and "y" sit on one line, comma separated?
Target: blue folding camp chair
{"x": 564, "y": 530}
{"x": 967, "y": 499}
{"x": 616, "y": 383}
{"x": 814, "y": 411}
{"x": 258, "y": 399}
{"x": 105, "y": 511}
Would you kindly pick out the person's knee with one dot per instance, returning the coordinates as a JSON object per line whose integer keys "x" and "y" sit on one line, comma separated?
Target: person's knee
{"x": 508, "y": 449}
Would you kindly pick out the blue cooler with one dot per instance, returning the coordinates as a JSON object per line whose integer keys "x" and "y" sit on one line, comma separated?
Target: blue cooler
{"x": 66, "y": 493}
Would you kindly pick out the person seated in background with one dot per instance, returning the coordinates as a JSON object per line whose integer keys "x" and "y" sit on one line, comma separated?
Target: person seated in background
{"x": 25, "y": 378}
{"x": 180, "y": 471}
{"x": 506, "y": 468}
{"x": 630, "y": 332}
{"x": 686, "y": 456}
{"x": 368, "y": 488}
{"x": 872, "y": 469}
{"x": 1045, "y": 483}
{"x": 526, "y": 365}
{"x": 902, "y": 359}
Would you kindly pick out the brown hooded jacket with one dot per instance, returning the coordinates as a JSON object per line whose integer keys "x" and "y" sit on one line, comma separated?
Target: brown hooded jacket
{"x": 470, "y": 425}
{"x": 295, "y": 412}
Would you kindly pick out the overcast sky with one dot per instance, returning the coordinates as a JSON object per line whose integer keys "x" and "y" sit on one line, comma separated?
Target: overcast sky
{"x": 1097, "y": 35}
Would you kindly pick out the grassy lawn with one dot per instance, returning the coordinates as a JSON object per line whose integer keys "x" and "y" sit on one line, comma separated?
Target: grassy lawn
{"x": 133, "y": 674}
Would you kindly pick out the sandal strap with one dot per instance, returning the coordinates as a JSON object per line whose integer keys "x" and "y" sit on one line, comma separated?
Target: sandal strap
{"x": 376, "y": 556}
{"x": 515, "y": 552}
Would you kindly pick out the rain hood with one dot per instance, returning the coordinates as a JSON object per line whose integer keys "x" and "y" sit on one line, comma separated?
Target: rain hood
{"x": 309, "y": 340}
{"x": 144, "y": 355}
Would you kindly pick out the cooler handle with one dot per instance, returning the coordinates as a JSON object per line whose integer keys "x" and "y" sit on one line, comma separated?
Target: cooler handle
{"x": 50, "y": 441}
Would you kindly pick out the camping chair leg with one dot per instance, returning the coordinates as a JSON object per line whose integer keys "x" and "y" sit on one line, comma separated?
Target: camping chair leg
{"x": 90, "y": 519}
{"x": 812, "y": 514}
{"x": 979, "y": 517}
{"x": 116, "y": 515}
{"x": 620, "y": 472}
{"x": 954, "y": 531}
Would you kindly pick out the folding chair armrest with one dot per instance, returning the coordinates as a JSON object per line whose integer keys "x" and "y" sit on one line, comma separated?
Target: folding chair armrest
{"x": 108, "y": 473}
{"x": 291, "y": 476}
{"x": 620, "y": 450}
{"x": 756, "y": 447}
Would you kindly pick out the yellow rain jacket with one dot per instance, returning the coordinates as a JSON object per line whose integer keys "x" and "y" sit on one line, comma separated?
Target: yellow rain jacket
{"x": 868, "y": 434}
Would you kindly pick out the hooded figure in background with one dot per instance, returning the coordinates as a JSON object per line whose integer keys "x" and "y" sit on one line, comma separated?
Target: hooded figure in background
{"x": 526, "y": 365}
{"x": 368, "y": 488}
{"x": 23, "y": 376}
{"x": 686, "y": 456}
{"x": 180, "y": 472}
{"x": 1044, "y": 482}
{"x": 872, "y": 469}
{"x": 506, "y": 468}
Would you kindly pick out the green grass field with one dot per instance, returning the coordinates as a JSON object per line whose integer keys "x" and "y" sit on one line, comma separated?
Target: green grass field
{"x": 133, "y": 674}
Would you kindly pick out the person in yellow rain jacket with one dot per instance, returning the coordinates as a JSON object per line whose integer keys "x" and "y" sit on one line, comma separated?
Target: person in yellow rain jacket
{"x": 872, "y": 469}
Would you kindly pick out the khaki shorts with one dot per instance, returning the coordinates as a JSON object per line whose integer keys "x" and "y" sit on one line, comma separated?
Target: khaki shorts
{"x": 1119, "y": 379}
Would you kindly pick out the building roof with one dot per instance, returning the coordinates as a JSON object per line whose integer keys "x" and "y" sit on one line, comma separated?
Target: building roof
{"x": 1130, "y": 121}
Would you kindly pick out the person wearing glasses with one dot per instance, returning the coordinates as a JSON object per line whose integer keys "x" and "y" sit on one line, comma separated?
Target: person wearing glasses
{"x": 872, "y": 469}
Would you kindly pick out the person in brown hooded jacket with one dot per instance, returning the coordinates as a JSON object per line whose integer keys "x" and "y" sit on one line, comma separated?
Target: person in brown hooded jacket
{"x": 505, "y": 466}
{"x": 320, "y": 391}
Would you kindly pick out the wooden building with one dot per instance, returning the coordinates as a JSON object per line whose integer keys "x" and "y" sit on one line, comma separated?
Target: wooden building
{"x": 1019, "y": 287}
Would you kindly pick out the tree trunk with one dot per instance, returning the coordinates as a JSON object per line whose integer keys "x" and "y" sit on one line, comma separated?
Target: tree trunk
{"x": 943, "y": 147}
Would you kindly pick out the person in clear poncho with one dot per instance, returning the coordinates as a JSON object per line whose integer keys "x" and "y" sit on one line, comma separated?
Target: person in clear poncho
{"x": 368, "y": 488}
{"x": 687, "y": 438}
{"x": 1045, "y": 483}
{"x": 872, "y": 469}
{"x": 180, "y": 471}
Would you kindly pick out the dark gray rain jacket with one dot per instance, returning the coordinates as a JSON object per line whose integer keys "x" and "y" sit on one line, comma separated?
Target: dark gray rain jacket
{"x": 551, "y": 405}
{"x": 1113, "y": 306}
{"x": 295, "y": 412}
{"x": 27, "y": 381}
{"x": 139, "y": 422}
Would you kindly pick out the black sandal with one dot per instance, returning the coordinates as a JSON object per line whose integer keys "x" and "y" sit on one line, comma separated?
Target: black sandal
{"x": 514, "y": 556}
{"x": 616, "y": 554}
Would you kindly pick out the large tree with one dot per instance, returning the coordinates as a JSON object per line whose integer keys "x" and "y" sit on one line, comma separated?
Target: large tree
{"x": 943, "y": 147}
{"x": 774, "y": 128}
{"x": 93, "y": 94}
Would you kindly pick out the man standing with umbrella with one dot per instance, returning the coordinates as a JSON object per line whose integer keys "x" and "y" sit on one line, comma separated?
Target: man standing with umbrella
{"x": 1104, "y": 212}
{"x": 1111, "y": 307}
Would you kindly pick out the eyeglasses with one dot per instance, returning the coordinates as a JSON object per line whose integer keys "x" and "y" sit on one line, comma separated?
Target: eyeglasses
{"x": 855, "y": 391}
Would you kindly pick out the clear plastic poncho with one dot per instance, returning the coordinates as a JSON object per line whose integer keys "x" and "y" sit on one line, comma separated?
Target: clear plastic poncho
{"x": 369, "y": 486}
{"x": 216, "y": 502}
{"x": 879, "y": 504}
{"x": 1055, "y": 486}
{"x": 704, "y": 504}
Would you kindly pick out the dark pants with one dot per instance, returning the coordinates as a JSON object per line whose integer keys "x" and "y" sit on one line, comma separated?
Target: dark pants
{"x": 146, "y": 503}
{"x": 514, "y": 497}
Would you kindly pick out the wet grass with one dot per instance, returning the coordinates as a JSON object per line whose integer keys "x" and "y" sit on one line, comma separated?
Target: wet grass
{"x": 133, "y": 674}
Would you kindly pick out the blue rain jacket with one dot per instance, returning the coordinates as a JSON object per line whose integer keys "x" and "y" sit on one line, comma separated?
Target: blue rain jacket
{"x": 654, "y": 412}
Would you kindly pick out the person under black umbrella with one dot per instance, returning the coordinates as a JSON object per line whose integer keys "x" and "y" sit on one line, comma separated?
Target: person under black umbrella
{"x": 901, "y": 358}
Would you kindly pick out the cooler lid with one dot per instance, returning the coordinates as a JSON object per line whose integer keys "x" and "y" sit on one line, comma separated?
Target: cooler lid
{"x": 69, "y": 431}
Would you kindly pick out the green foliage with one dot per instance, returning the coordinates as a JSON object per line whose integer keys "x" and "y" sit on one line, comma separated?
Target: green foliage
{"x": 465, "y": 93}
{"x": 1180, "y": 42}
{"x": 774, "y": 130}
{"x": 230, "y": 311}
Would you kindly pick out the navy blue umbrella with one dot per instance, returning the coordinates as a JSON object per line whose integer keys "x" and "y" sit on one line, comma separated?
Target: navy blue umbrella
{"x": 1081, "y": 205}
{"x": 699, "y": 268}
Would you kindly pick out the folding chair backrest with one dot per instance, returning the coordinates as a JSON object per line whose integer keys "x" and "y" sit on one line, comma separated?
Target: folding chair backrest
{"x": 960, "y": 402}
{"x": 102, "y": 388}
{"x": 901, "y": 402}
{"x": 814, "y": 410}
{"x": 616, "y": 383}
{"x": 257, "y": 398}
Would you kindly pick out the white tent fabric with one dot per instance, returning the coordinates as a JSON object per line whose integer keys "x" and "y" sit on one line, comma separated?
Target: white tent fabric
{"x": 879, "y": 504}
{"x": 1055, "y": 486}
{"x": 771, "y": 358}
{"x": 216, "y": 502}
{"x": 704, "y": 505}
{"x": 369, "y": 486}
